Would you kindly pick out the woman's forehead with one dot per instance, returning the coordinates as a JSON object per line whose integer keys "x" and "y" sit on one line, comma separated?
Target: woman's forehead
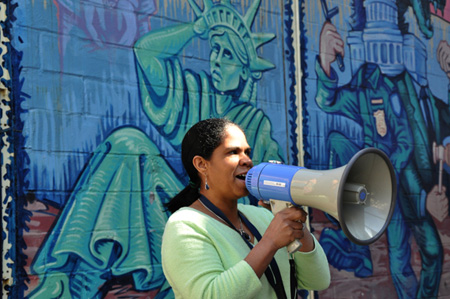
{"x": 234, "y": 135}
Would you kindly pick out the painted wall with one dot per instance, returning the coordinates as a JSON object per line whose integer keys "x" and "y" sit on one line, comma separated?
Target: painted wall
{"x": 97, "y": 95}
{"x": 394, "y": 69}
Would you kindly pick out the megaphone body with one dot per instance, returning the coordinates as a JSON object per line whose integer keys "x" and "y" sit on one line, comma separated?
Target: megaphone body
{"x": 360, "y": 195}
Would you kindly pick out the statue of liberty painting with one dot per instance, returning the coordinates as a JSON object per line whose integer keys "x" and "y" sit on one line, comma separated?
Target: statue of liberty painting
{"x": 175, "y": 98}
{"x": 111, "y": 227}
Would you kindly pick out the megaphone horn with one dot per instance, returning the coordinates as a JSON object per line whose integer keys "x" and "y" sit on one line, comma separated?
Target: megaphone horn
{"x": 360, "y": 195}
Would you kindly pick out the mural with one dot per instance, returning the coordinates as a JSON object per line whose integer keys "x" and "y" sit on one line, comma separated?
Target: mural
{"x": 110, "y": 88}
{"x": 378, "y": 74}
{"x": 102, "y": 92}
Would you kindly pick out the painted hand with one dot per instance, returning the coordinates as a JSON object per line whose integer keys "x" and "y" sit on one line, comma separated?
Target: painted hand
{"x": 437, "y": 203}
{"x": 443, "y": 57}
{"x": 200, "y": 26}
{"x": 330, "y": 45}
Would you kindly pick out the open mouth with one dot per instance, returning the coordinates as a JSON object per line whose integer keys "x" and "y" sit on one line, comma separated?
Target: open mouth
{"x": 241, "y": 176}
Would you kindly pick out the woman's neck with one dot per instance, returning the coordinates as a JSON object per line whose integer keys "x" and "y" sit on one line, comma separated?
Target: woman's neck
{"x": 227, "y": 206}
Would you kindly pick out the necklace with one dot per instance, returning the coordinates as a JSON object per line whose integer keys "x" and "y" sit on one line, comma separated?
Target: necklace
{"x": 273, "y": 272}
{"x": 242, "y": 232}
{"x": 241, "y": 228}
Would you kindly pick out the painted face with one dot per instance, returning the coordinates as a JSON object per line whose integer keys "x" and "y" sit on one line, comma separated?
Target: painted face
{"x": 228, "y": 166}
{"x": 226, "y": 68}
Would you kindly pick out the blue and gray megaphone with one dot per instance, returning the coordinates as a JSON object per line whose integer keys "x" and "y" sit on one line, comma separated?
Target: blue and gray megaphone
{"x": 360, "y": 195}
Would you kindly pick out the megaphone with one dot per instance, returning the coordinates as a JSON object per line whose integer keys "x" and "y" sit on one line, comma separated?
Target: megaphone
{"x": 361, "y": 195}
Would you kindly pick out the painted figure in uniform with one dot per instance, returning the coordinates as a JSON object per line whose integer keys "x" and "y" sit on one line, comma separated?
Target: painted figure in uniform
{"x": 389, "y": 96}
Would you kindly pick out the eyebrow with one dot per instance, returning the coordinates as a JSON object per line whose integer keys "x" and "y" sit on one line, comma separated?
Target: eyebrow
{"x": 237, "y": 147}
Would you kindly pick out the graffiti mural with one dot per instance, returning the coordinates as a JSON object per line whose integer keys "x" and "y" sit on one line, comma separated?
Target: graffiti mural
{"x": 97, "y": 95}
{"x": 378, "y": 76}
{"x": 109, "y": 90}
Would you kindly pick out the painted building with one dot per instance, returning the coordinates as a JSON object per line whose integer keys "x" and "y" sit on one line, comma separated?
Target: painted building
{"x": 97, "y": 96}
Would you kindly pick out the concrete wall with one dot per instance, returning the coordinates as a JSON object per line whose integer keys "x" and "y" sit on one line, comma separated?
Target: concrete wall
{"x": 97, "y": 96}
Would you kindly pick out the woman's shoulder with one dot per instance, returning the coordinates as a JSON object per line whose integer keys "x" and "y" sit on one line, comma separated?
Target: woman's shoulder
{"x": 186, "y": 214}
{"x": 251, "y": 211}
{"x": 187, "y": 221}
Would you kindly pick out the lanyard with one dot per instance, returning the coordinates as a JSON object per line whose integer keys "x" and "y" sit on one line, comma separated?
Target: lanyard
{"x": 272, "y": 272}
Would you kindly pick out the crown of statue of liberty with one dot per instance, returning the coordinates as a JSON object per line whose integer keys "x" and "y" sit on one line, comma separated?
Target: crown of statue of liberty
{"x": 223, "y": 14}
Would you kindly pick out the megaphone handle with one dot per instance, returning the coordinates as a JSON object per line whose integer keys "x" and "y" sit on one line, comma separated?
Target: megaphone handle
{"x": 294, "y": 246}
{"x": 277, "y": 206}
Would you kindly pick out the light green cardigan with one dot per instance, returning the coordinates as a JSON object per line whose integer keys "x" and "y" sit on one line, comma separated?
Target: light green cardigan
{"x": 204, "y": 258}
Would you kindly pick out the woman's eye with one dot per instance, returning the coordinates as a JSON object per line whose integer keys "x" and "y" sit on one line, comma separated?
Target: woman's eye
{"x": 235, "y": 152}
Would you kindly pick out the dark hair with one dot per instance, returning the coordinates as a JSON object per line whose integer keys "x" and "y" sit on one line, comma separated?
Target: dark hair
{"x": 201, "y": 140}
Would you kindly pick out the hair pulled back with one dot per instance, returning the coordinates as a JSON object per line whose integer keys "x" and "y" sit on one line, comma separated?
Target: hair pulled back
{"x": 201, "y": 140}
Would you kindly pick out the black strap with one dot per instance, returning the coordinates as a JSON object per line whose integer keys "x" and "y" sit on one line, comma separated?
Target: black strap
{"x": 272, "y": 272}
{"x": 293, "y": 279}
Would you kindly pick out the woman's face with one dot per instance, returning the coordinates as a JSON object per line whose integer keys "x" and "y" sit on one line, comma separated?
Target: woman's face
{"x": 229, "y": 165}
{"x": 226, "y": 69}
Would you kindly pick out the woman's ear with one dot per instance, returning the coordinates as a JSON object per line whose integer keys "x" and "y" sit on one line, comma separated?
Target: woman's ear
{"x": 200, "y": 164}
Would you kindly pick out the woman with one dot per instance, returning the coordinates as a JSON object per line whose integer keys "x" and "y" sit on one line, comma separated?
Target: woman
{"x": 212, "y": 246}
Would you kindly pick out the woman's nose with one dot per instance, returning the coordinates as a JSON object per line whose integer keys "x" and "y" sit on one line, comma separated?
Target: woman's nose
{"x": 246, "y": 161}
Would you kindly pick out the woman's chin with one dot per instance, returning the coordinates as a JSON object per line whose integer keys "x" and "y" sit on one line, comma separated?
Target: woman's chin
{"x": 243, "y": 187}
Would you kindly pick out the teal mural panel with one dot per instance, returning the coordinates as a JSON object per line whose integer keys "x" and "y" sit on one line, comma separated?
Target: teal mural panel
{"x": 376, "y": 75}
{"x": 105, "y": 92}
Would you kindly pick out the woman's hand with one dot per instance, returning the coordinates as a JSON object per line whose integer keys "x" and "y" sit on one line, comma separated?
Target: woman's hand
{"x": 287, "y": 226}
